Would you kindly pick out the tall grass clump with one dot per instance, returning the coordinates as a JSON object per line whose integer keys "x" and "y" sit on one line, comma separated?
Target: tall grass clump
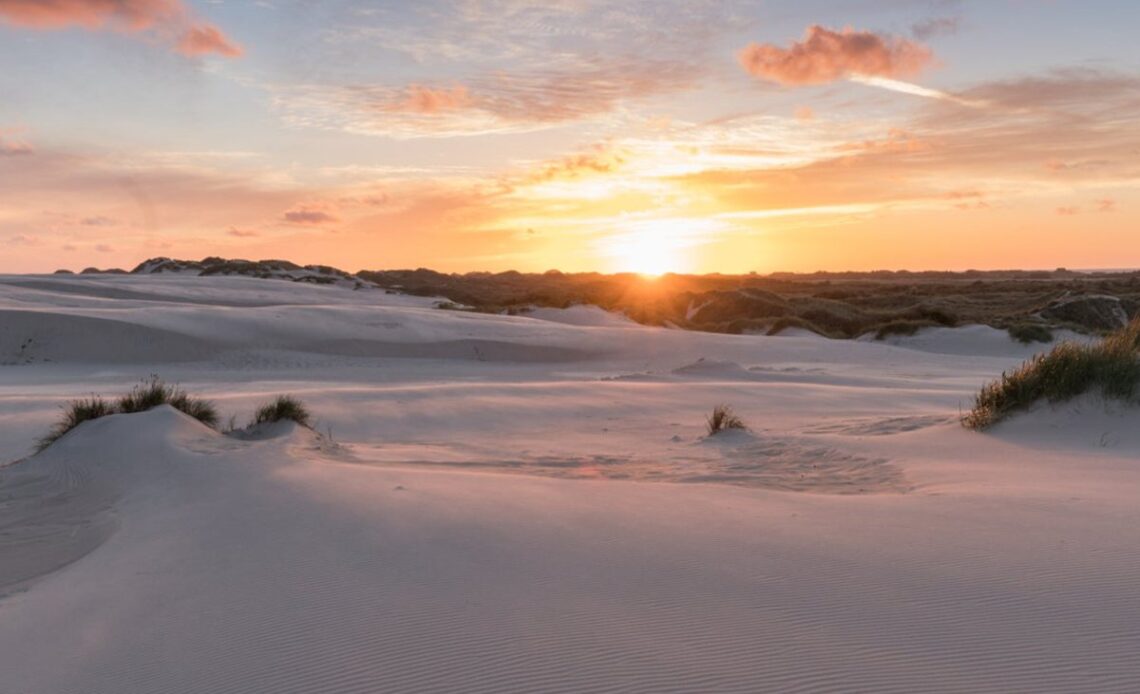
{"x": 147, "y": 395}
{"x": 154, "y": 392}
{"x": 75, "y": 413}
{"x": 1111, "y": 366}
{"x": 281, "y": 408}
{"x": 722, "y": 419}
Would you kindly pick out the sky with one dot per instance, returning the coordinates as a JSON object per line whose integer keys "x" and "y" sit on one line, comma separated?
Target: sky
{"x": 645, "y": 135}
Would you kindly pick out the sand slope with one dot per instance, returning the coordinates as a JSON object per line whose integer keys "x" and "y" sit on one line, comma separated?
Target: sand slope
{"x": 543, "y": 521}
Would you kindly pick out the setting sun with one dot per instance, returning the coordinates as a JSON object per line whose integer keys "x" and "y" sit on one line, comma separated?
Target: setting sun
{"x": 654, "y": 247}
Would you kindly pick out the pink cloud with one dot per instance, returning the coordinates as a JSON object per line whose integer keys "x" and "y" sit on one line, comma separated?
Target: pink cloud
{"x": 132, "y": 15}
{"x": 203, "y": 39}
{"x": 1068, "y": 211}
{"x": 826, "y": 55}
{"x": 170, "y": 19}
{"x": 1106, "y": 205}
{"x": 9, "y": 148}
{"x": 241, "y": 233}
{"x": 421, "y": 99}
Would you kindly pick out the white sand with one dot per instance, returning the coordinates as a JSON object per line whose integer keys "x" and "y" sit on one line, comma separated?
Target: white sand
{"x": 512, "y": 504}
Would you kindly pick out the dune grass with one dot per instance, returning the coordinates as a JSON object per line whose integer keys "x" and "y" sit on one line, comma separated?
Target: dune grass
{"x": 1111, "y": 366}
{"x": 154, "y": 392}
{"x": 723, "y": 419}
{"x": 283, "y": 407}
{"x": 147, "y": 395}
{"x": 75, "y": 413}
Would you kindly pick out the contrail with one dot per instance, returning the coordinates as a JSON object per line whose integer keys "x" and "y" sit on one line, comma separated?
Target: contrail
{"x": 915, "y": 90}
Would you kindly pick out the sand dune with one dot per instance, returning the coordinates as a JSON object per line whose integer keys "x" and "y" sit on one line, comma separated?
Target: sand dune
{"x": 549, "y": 517}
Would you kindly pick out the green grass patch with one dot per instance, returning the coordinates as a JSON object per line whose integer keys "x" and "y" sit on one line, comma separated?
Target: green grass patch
{"x": 1111, "y": 366}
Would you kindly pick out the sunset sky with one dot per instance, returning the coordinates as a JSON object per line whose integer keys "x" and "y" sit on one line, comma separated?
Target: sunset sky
{"x": 649, "y": 136}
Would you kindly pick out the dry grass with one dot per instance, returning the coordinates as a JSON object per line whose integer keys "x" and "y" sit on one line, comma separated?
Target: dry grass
{"x": 723, "y": 419}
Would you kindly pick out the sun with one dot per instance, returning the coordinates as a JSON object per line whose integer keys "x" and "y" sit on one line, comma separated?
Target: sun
{"x": 653, "y": 247}
{"x": 653, "y": 261}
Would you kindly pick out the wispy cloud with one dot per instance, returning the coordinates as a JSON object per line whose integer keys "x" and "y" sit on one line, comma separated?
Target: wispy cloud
{"x": 487, "y": 104}
{"x": 935, "y": 26}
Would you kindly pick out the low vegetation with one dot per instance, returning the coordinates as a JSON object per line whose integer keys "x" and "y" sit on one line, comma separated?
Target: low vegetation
{"x": 1028, "y": 333}
{"x": 723, "y": 419}
{"x": 154, "y": 392}
{"x": 840, "y": 305}
{"x": 283, "y": 407}
{"x": 1110, "y": 366}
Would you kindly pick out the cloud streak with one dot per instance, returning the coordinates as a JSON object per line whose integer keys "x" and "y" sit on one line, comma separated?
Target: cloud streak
{"x": 825, "y": 55}
{"x": 169, "y": 20}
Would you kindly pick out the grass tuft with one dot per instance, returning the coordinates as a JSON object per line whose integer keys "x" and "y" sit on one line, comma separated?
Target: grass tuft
{"x": 722, "y": 419}
{"x": 283, "y": 407}
{"x": 154, "y": 392}
{"x": 1111, "y": 366}
{"x": 75, "y": 413}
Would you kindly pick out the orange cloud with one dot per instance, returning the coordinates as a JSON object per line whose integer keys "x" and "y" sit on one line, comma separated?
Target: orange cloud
{"x": 826, "y": 55}
{"x": 170, "y": 19}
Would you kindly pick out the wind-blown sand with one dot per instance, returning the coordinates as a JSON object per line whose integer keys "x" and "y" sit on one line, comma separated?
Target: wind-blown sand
{"x": 496, "y": 503}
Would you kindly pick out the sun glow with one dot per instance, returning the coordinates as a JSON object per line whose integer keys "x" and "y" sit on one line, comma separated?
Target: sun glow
{"x": 653, "y": 247}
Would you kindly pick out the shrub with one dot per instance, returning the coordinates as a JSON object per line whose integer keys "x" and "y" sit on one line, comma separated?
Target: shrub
{"x": 1027, "y": 333}
{"x": 905, "y": 328}
{"x": 282, "y": 407}
{"x": 75, "y": 413}
{"x": 723, "y": 418}
{"x": 154, "y": 392}
{"x": 1070, "y": 369}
